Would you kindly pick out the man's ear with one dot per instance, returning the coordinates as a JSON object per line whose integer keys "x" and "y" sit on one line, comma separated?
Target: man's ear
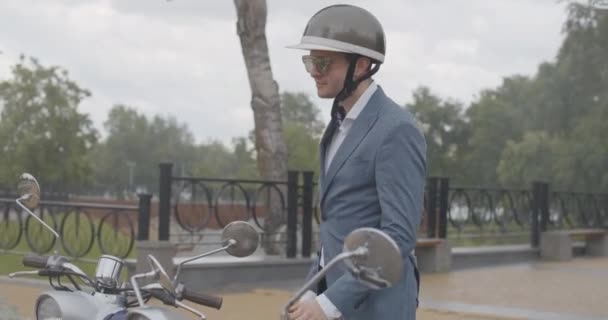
{"x": 363, "y": 65}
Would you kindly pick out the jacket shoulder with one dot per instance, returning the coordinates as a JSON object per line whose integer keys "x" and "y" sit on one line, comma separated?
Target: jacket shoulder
{"x": 393, "y": 115}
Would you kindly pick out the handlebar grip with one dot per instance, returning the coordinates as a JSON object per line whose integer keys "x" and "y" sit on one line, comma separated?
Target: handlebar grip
{"x": 203, "y": 299}
{"x": 35, "y": 261}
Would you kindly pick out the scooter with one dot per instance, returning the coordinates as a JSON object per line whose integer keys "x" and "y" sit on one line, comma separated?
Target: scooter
{"x": 104, "y": 298}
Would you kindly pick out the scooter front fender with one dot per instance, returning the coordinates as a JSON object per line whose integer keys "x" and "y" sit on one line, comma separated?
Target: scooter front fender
{"x": 154, "y": 313}
{"x": 81, "y": 305}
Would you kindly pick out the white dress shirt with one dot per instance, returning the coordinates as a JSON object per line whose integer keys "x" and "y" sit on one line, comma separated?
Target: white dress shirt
{"x": 328, "y": 307}
{"x": 347, "y": 123}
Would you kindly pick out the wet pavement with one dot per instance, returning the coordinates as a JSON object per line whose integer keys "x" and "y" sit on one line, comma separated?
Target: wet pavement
{"x": 577, "y": 289}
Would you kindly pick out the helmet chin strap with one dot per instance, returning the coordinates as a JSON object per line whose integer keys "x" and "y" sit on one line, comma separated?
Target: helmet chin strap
{"x": 350, "y": 85}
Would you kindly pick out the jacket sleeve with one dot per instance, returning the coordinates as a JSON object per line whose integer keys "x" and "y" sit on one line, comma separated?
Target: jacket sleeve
{"x": 400, "y": 172}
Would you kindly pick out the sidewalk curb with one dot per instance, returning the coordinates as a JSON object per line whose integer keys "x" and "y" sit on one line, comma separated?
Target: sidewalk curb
{"x": 25, "y": 281}
{"x": 499, "y": 311}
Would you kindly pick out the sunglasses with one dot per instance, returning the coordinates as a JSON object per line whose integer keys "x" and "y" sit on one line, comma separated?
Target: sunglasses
{"x": 320, "y": 64}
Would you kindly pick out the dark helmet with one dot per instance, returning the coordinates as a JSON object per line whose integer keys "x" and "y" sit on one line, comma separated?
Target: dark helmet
{"x": 349, "y": 29}
{"x": 345, "y": 28}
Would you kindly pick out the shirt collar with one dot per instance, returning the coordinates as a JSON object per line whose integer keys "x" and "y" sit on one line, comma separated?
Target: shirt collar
{"x": 362, "y": 101}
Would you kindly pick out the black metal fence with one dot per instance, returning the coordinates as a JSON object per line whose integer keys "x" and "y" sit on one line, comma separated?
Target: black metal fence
{"x": 510, "y": 216}
{"x": 577, "y": 210}
{"x": 467, "y": 216}
{"x": 192, "y": 208}
{"x": 86, "y": 230}
{"x": 200, "y": 205}
{"x": 482, "y": 215}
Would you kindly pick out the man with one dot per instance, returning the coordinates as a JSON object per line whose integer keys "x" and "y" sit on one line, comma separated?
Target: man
{"x": 372, "y": 166}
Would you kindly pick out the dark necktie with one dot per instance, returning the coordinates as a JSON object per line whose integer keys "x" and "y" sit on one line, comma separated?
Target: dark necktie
{"x": 338, "y": 113}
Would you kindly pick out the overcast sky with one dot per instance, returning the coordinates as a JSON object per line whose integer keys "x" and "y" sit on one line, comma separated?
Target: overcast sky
{"x": 183, "y": 57}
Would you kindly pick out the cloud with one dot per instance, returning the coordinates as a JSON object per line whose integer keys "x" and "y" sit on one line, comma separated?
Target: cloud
{"x": 183, "y": 57}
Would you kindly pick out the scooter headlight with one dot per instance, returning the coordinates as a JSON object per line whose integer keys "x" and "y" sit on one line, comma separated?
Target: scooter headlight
{"x": 48, "y": 309}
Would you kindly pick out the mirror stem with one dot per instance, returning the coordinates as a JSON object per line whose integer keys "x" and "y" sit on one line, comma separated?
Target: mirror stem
{"x": 35, "y": 216}
{"x": 361, "y": 251}
{"x": 231, "y": 243}
{"x": 148, "y": 275}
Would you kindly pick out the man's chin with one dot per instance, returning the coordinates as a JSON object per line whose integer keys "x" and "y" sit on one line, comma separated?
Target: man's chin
{"x": 325, "y": 95}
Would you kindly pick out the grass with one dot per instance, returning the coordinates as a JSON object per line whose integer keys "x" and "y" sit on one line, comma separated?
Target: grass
{"x": 488, "y": 240}
{"x": 490, "y": 233}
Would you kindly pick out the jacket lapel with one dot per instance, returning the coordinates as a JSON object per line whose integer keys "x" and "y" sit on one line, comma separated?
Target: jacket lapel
{"x": 357, "y": 132}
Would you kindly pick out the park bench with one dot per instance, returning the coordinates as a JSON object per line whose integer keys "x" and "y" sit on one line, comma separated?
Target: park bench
{"x": 556, "y": 245}
{"x": 433, "y": 255}
{"x": 428, "y": 242}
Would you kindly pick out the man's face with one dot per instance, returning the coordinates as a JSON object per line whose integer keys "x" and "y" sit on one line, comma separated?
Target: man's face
{"x": 328, "y": 69}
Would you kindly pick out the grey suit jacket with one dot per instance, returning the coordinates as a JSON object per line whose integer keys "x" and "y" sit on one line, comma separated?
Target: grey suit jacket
{"x": 376, "y": 179}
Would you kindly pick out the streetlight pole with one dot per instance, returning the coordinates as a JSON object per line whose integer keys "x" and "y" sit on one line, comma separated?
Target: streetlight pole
{"x": 131, "y": 165}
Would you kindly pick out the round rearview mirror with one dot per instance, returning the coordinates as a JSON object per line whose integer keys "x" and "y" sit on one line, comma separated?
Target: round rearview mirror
{"x": 381, "y": 265}
{"x": 242, "y": 238}
{"x": 163, "y": 279}
{"x": 29, "y": 190}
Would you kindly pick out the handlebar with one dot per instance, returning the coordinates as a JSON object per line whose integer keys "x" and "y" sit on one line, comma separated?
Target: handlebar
{"x": 203, "y": 299}
{"x": 54, "y": 266}
{"x": 35, "y": 261}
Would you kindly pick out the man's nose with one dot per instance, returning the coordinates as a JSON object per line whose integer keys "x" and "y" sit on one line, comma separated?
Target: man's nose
{"x": 315, "y": 73}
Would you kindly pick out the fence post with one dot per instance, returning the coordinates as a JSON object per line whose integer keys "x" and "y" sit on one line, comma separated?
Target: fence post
{"x": 444, "y": 206}
{"x": 603, "y": 211}
{"x": 143, "y": 224}
{"x": 292, "y": 213}
{"x": 540, "y": 211}
{"x": 164, "y": 201}
{"x": 431, "y": 206}
{"x": 544, "y": 208}
{"x": 307, "y": 204}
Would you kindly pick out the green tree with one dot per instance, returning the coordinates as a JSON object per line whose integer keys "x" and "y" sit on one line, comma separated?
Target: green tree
{"x": 244, "y": 165}
{"x": 216, "y": 160}
{"x": 296, "y": 108}
{"x": 41, "y": 129}
{"x": 582, "y": 159}
{"x": 498, "y": 116}
{"x": 134, "y": 147}
{"x": 445, "y": 130}
{"x": 528, "y": 160}
{"x": 548, "y": 126}
{"x": 302, "y": 129}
